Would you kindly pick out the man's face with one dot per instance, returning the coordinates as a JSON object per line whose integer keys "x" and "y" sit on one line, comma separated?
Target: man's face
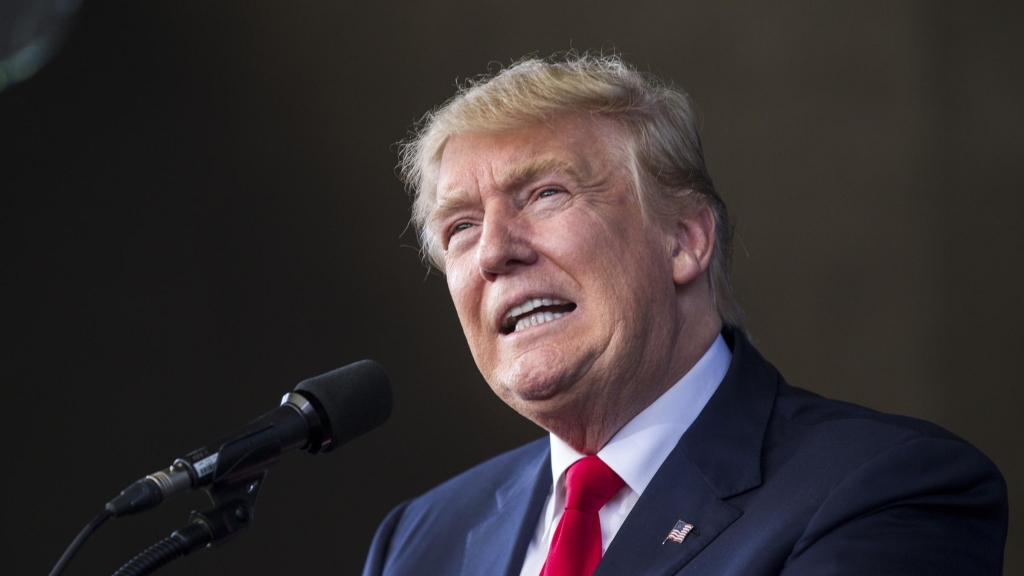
{"x": 566, "y": 296}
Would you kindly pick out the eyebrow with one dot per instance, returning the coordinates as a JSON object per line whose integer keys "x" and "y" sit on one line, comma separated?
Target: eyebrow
{"x": 522, "y": 173}
{"x": 447, "y": 207}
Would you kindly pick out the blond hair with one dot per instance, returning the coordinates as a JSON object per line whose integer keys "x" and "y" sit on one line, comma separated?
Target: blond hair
{"x": 661, "y": 140}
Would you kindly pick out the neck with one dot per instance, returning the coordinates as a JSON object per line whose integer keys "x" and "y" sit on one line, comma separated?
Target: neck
{"x": 589, "y": 428}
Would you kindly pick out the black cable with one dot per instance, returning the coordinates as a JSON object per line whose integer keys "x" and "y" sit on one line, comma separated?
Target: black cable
{"x": 153, "y": 558}
{"x": 79, "y": 540}
{"x": 181, "y": 543}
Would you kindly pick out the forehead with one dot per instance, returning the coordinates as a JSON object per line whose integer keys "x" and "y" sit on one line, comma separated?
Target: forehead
{"x": 577, "y": 148}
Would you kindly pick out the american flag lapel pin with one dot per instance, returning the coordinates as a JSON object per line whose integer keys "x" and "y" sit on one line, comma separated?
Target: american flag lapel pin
{"x": 678, "y": 534}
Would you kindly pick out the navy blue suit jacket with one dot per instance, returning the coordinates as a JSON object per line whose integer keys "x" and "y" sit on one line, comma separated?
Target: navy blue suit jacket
{"x": 775, "y": 480}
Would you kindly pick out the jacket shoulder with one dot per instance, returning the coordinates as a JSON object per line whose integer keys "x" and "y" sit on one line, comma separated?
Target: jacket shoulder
{"x": 865, "y": 479}
{"x": 427, "y": 534}
{"x": 482, "y": 481}
{"x": 806, "y": 411}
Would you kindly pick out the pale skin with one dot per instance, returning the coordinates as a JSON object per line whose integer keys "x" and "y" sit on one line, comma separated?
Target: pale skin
{"x": 549, "y": 211}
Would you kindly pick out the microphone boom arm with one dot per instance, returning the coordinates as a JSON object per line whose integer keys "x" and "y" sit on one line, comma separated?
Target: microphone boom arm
{"x": 252, "y": 449}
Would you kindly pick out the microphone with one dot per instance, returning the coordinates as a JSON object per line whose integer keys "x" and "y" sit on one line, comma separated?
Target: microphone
{"x": 321, "y": 414}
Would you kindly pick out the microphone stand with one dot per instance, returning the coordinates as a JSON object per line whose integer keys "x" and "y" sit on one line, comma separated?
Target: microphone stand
{"x": 234, "y": 506}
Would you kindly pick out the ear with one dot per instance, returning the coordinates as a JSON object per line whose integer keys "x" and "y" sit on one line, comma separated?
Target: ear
{"x": 694, "y": 243}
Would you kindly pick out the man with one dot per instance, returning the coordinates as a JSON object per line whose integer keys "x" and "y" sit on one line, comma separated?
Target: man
{"x": 587, "y": 254}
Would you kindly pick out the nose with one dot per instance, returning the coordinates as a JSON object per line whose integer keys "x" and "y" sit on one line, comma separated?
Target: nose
{"x": 504, "y": 244}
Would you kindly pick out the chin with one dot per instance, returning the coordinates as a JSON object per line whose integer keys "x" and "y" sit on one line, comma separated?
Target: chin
{"x": 530, "y": 389}
{"x": 541, "y": 394}
{"x": 538, "y": 394}
{"x": 545, "y": 380}
{"x": 561, "y": 411}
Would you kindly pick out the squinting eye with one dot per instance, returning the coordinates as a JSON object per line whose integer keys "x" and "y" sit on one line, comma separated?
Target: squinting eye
{"x": 460, "y": 227}
{"x": 548, "y": 192}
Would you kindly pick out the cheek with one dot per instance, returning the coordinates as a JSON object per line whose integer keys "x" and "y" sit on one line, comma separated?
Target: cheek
{"x": 643, "y": 280}
{"x": 457, "y": 276}
{"x": 465, "y": 295}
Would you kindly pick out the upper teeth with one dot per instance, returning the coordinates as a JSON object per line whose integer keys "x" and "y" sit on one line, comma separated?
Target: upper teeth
{"x": 539, "y": 318}
{"x": 531, "y": 304}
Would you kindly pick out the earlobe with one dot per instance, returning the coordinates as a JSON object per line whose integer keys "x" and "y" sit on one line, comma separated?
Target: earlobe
{"x": 694, "y": 242}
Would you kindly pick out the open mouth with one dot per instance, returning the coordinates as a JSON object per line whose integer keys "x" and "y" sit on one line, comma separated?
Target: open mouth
{"x": 533, "y": 312}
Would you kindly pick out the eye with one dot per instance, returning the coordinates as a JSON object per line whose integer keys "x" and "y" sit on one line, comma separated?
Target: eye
{"x": 459, "y": 228}
{"x": 548, "y": 192}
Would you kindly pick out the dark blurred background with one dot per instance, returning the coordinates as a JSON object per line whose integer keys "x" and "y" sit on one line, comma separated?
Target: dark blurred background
{"x": 198, "y": 209}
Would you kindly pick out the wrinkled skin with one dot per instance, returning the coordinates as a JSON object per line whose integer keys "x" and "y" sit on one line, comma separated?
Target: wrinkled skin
{"x": 550, "y": 211}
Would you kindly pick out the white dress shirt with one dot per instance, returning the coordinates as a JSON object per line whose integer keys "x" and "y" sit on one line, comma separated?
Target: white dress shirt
{"x": 635, "y": 453}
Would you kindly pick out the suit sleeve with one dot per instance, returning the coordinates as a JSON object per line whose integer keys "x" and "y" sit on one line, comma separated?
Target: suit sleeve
{"x": 928, "y": 506}
{"x": 377, "y": 557}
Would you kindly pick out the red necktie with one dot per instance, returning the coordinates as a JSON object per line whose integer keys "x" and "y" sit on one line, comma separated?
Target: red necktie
{"x": 576, "y": 546}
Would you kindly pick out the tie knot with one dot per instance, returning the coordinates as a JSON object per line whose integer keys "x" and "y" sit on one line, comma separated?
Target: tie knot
{"x": 590, "y": 484}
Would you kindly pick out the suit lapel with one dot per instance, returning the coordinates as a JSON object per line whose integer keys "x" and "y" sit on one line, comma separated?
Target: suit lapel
{"x": 677, "y": 492}
{"x": 498, "y": 544}
{"x": 719, "y": 456}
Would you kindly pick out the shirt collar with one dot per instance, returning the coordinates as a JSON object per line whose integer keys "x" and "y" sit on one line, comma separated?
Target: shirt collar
{"x": 637, "y": 450}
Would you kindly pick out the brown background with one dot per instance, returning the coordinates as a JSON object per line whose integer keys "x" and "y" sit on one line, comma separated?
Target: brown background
{"x": 198, "y": 210}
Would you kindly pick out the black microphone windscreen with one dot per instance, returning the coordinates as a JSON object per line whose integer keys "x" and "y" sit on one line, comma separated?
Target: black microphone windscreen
{"x": 355, "y": 398}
